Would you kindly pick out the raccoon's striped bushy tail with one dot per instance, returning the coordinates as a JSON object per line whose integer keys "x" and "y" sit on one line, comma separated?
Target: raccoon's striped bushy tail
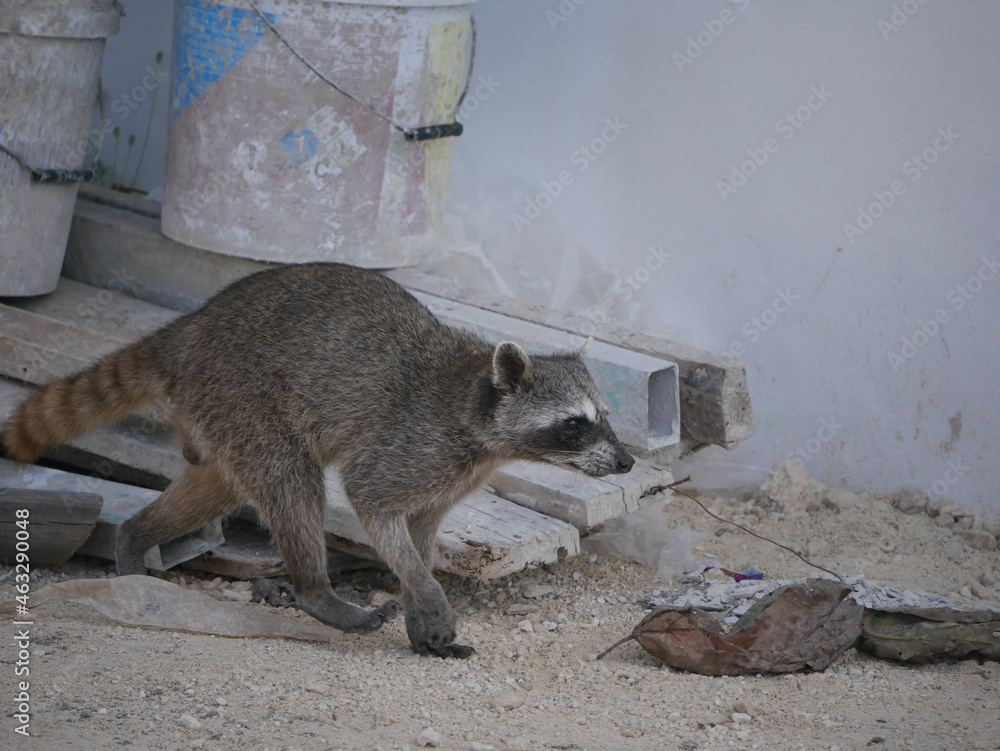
{"x": 104, "y": 393}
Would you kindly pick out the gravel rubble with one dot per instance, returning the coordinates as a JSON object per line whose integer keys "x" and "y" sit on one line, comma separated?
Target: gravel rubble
{"x": 534, "y": 682}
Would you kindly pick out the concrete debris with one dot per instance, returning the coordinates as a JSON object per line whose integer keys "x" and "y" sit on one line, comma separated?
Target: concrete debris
{"x": 789, "y": 486}
{"x": 911, "y": 501}
{"x": 840, "y": 499}
{"x": 979, "y": 539}
{"x": 429, "y": 737}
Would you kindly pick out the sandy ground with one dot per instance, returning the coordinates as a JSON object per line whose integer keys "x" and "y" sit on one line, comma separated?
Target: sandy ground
{"x": 99, "y": 685}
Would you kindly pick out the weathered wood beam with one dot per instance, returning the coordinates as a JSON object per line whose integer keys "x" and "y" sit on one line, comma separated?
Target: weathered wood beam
{"x": 111, "y": 245}
{"x": 49, "y": 526}
{"x": 584, "y": 502}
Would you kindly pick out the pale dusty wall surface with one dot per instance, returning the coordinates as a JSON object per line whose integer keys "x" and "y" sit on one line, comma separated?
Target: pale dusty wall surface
{"x": 729, "y": 205}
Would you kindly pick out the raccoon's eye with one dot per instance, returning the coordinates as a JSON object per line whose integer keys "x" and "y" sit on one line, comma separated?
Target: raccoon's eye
{"x": 574, "y": 424}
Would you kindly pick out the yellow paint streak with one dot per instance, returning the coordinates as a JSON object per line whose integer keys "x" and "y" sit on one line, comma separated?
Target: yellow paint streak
{"x": 446, "y": 64}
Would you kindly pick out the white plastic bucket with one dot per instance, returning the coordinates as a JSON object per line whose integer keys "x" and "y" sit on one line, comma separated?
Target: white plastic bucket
{"x": 267, "y": 161}
{"x": 50, "y": 64}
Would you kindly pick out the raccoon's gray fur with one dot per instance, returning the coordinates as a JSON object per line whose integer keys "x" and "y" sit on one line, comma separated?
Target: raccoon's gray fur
{"x": 292, "y": 369}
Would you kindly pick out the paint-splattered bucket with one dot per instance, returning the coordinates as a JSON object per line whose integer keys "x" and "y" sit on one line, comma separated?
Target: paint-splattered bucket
{"x": 266, "y": 160}
{"x": 50, "y": 65}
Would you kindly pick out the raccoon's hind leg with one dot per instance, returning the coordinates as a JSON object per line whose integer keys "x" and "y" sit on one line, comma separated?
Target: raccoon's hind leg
{"x": 290, "y": 501}
{"x": 195, "y": 499}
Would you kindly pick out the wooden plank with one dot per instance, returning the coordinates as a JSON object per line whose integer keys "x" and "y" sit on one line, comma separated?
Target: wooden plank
{"x": 250, "y": 553}
{"x": 484, "y": 537}
{"x": 37, "y": 349}
{"x": 121, "y": 502}
{"x": 106, "y": 238}
{"x": 247, "y": 553}
{"x": 133, "y": 202}
{"x": 580, "y": 500}
{"x": 52, "y": 525}
{"x": 106, "y": 313}
{"x": 640, "y": 486}
{"x": 62, "y": 333}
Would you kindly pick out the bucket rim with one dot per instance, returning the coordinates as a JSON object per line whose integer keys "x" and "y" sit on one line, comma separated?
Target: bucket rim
{"x": 61, "y": 19}
{"x": 373, "y": 3}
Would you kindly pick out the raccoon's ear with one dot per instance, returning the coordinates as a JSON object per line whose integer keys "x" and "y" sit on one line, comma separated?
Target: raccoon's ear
{"x": 512, "y": 368}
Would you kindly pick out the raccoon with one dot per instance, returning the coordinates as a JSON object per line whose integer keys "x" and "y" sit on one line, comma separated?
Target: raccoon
{"x": 292, "y": 369}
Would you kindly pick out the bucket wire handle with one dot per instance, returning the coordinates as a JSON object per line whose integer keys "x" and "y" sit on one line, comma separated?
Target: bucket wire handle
{"x": 422, "y": 133}
{"x": 51, "y": 174}
{"x": 59, "y": 175}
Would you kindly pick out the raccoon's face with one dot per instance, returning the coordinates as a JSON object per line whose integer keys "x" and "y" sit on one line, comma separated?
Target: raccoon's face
{"x": 550, "y": 411}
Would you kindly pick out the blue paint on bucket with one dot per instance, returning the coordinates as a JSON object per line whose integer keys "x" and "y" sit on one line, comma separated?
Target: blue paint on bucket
{"x": 209, "y": 39}
{"x": 301, "y": 144}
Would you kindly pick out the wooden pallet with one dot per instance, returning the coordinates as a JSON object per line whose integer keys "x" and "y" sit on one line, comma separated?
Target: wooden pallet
{"x": 531, "y": 513}
{"x": 120, "y": 503}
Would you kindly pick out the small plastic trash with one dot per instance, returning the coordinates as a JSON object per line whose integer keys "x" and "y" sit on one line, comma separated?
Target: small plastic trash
{"x": 644, "y": 537}
{"x": 147, "y": 601}
{"x": 751, "y": 573}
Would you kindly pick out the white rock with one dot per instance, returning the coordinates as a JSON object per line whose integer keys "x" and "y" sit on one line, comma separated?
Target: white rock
{"x": 480, "y": 747}
{"x": 525, "y": 625}
{"x": 189, "y": 722}
{"x": 508, "y": 700}
{"x": 429, "y": 737}
{"x": 739, "y": 717}
{"x": 534, "y": 591}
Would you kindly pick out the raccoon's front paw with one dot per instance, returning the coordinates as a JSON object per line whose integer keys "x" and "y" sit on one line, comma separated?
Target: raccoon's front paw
{"x": 431, "y": 628}
{"x": 457, "y": 651}
{"x": 345, "y": 616}
{"x": 372, "y": 620}
{"x": 388, "y": 611}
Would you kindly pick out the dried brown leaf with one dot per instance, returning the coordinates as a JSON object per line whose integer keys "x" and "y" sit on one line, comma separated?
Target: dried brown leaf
{"x": 796, "y": 626}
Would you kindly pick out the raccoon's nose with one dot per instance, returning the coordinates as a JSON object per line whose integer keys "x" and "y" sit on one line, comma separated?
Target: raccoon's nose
{"x": 623, "y": 462}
